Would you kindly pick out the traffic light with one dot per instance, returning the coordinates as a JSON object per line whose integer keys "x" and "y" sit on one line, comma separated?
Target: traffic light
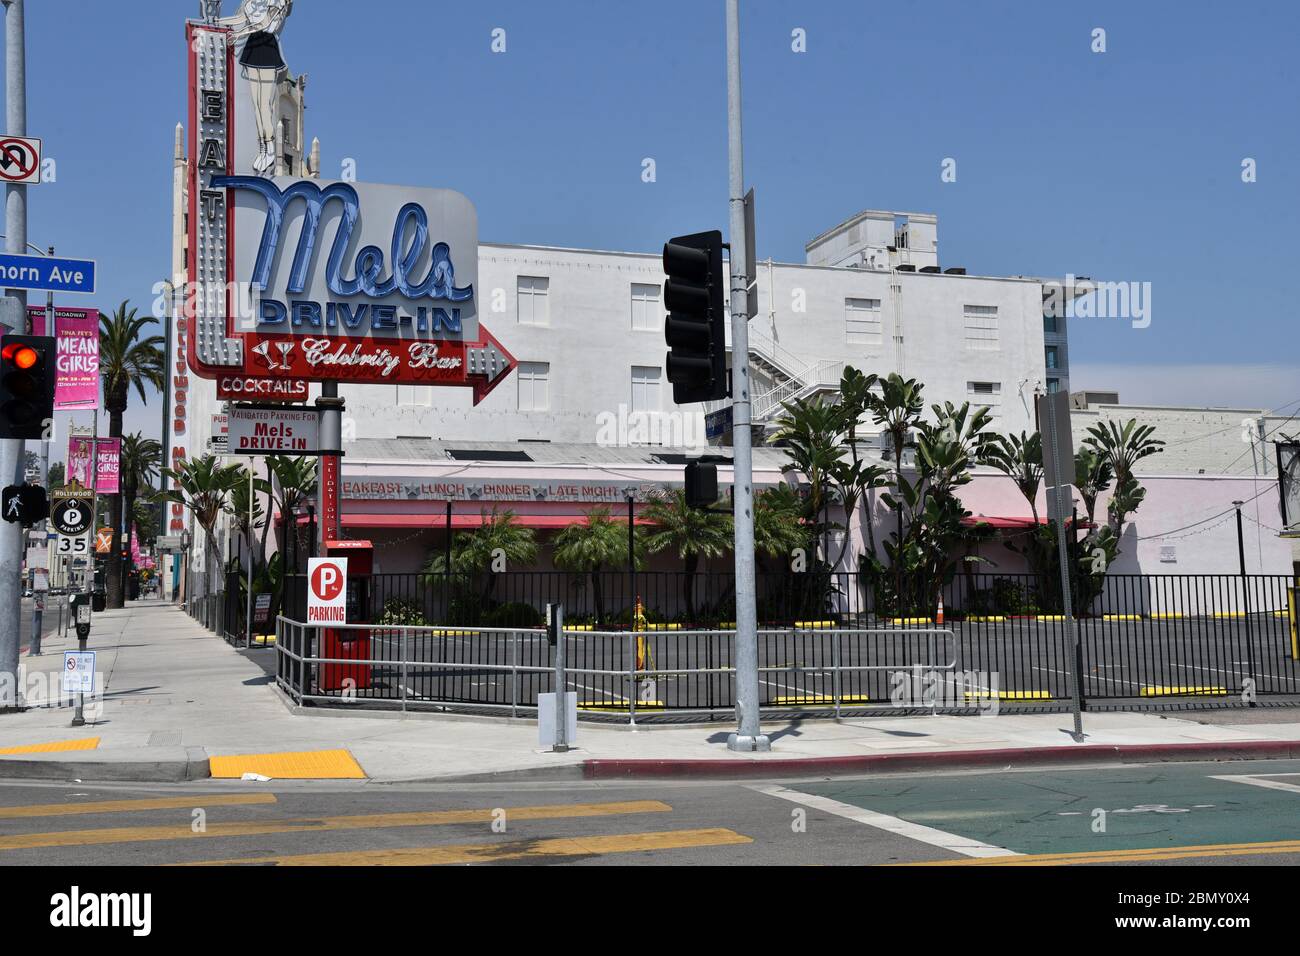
{"x": 25, "y": 504}
{"x": 696, "y": 327}
{"x": 701, "y": 484}
{"x": 27, "y": 375}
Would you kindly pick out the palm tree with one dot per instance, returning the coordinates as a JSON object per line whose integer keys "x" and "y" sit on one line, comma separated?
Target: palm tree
{"x": 691, "y": 532}
{"x": 1092, "y": 476}
{"x": 498, "y": 543}
{"x": 1123, "y": 447}
{"x": 897, "y": 408}
{"x": 1019, "y": 457}
{"x": 126, "y": 357}
{"x": 203, "y": 485}
{"x": 247, "y": 511}
{"x": 589, "y": 547}
{"x": 293, "y": 483}
{"x": 140, "y": 460}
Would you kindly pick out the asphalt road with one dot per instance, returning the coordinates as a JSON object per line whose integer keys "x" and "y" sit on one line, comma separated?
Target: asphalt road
{"x": 1199, "y": 814}
{"x": 1017, "y": 661}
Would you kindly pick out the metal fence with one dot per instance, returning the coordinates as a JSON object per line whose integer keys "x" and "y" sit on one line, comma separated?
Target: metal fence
{"x": 621, "y": 674}
{"x": 476, "y": 642}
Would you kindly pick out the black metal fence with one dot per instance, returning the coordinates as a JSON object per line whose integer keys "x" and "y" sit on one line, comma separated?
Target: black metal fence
{"x": 467, "y": 642}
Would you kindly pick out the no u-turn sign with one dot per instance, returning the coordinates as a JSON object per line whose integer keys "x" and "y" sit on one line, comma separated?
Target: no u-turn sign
{"x": 327, "y": 590}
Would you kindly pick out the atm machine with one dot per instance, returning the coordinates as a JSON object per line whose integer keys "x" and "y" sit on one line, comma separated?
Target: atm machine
{"x": 350, "y": 644}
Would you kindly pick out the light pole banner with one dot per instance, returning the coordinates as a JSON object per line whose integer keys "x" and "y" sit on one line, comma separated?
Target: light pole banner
{"x": 108, "y": 463}
{"x": 77, "y": 333}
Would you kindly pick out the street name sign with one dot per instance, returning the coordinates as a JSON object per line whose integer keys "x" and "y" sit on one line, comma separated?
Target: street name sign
{"x": 47, "y": 273}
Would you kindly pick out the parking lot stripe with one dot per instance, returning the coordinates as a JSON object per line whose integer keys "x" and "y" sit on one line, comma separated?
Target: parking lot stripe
{"x": 913, "y": 831}
{"x": 373, "y": 821}
{"x": 129, "y": 806}
{"x": 502, "y": 852}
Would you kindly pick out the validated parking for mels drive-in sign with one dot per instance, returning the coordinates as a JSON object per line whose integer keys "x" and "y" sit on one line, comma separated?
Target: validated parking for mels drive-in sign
{"x": 273, "y": 430}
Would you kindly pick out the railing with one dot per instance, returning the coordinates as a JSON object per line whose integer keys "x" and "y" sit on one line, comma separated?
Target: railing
{"x": 1142, "y": 638}
{"x": 824, "y": 374}
{"x": 615, "y": 673}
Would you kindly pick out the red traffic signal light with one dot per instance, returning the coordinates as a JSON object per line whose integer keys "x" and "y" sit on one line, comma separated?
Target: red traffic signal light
{"x": 27, "y": 375}
{"x": 21, "y": 356}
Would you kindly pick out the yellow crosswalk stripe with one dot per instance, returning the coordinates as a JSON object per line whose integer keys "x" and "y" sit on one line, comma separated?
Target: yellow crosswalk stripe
{"x": 421, "y": 818}
{"x": 128, "y": 806}
{"x": 53, "y": 746}
{"x": 1141, "y": 855}
{"x": 500, "y": 852}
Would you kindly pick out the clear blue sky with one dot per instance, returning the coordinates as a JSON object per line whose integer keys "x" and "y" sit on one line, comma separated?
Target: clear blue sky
{"x": 1123, "y": 165}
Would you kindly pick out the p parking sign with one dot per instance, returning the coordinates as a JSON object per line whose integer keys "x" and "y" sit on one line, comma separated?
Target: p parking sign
{"x": 327, "y": 590}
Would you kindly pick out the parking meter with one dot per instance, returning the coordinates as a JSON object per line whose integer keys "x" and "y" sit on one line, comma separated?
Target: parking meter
{"x": 81, "y": 615}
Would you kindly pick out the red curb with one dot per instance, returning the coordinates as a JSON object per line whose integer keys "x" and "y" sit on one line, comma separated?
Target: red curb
{"x": 742, "y": 766}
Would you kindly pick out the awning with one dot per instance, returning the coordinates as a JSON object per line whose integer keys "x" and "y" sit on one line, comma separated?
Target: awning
{"x": 1006, "y": 522}
{"x": 464, "y": 521}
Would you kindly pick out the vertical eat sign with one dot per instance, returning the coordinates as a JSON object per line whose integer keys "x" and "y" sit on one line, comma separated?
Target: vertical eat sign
{"x": 327, "y": 590}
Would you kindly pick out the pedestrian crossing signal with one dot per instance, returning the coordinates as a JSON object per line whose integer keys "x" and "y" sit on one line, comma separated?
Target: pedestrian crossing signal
{"x": 25, "y": 504}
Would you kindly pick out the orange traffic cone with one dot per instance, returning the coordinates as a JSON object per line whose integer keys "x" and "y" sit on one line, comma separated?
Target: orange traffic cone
{"x": 938, "y": 617}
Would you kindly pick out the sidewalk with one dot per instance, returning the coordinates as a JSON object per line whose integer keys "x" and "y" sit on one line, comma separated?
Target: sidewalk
{"x": 178, "y": 696}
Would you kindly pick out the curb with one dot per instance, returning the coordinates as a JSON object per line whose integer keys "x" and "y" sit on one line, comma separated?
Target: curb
{"x": 193, "y": 766}
{"x": 746, "y": 767}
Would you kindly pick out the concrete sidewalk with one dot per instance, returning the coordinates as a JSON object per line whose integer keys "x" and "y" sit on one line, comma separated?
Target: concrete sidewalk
{"x": 177, "y": 696}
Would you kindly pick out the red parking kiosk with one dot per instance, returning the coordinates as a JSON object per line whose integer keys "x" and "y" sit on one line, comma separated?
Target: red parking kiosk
{"x": 350, "y": 644}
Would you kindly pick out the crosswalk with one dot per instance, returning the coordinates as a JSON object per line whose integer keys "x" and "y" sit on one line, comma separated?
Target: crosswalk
{"x": 177, "y": 830}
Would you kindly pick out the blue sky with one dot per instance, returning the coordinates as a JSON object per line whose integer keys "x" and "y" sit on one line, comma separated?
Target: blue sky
{"x": 1122, "y": 165}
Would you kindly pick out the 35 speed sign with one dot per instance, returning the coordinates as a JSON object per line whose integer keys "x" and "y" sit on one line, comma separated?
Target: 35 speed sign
{"x": 73, "y": 546}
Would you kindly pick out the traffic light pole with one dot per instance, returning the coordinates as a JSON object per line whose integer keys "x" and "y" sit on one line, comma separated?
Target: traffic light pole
{"x": 38, "y": 599}
{"x": 11, "y": 450}
{"x": 748, "y": 736}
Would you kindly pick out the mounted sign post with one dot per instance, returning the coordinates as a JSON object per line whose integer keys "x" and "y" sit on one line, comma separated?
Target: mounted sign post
{"x": 295, "y": 278}
{"x": 1058, "y": 475}
{"x": 327, "y": 590}
{"x": 273, "y": 430}
{"x": 20, "y": 160}
{"x": 47, "y": 274}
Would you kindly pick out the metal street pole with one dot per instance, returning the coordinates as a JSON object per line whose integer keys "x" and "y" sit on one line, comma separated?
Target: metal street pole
{"x": 331, "y": 446}
{"x": 1245, "y": 596}
{"x": 1056, "y": 506}
{"x": 38, "y": 614}
{"x": 248, "y": 591}
{"x": 11, "y": 450}
{"x": 748, "y": 736}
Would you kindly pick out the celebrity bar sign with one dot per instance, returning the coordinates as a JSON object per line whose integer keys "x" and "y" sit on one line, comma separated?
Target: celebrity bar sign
{"x": 300, "y": 278}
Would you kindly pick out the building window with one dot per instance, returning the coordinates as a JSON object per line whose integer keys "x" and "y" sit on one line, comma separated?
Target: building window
{"x": 645, "y": 388}
{"x": 1050, "y": 353}
{"x": 986, "y": 395}
{"x": 417, "y": 395}
{"x": 1053, "y": 386}
{"x": 981, "y": 327}
{"x": 533, "y": 306}
{"x": 647, "y": 313}
{"x": 862, "y": 322}
{"x": 534, "y": 386}
{"x": 1049, "y": 324}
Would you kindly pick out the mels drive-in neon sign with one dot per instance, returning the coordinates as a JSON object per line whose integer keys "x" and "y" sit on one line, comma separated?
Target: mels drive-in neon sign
{"x": 303, "y": 278}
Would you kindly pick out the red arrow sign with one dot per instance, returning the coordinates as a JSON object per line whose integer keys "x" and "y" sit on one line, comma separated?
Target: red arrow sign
{"x": 481, "y": 365}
